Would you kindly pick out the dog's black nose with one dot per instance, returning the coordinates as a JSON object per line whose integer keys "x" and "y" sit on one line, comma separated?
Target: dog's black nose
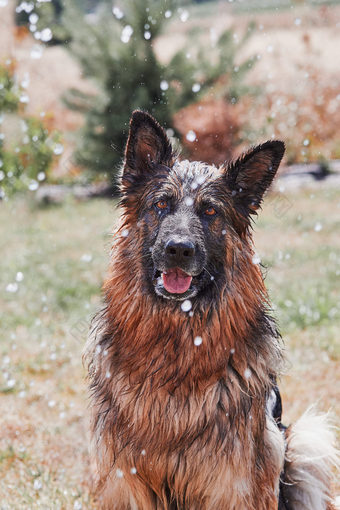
{"x": 179, "y": 251}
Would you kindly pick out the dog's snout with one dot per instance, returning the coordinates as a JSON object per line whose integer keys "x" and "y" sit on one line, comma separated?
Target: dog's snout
{"x": 179, "y": 251}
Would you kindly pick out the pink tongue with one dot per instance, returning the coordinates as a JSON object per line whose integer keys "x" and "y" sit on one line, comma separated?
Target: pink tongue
{"x": 176, "y": 281}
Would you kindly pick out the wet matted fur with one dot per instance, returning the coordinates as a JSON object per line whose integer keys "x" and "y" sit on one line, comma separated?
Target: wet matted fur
{"x": 184, "y": 357}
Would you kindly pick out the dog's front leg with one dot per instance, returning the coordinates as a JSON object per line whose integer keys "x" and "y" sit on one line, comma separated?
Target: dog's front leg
{"x": 127, "y": 493}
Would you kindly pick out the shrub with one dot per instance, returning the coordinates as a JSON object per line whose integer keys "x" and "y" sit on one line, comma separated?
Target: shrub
{"x": 209, "y": 130}
{"x": 9, "y": 93}
{"x": 26, "y": 163}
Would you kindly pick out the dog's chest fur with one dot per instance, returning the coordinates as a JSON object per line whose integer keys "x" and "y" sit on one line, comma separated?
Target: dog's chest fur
{"x": 182, "y": 432}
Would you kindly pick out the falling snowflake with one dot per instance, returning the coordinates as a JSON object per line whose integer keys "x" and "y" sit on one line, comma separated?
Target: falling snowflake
{"x": 164, "y": 85}
{"x": 126, "y": 34}
{"x": 46, "y": 35}
{"x": 12, "y": 287}
{"x": 198, "y": 340}
{"x": 247, "y": 373}
{"x": 118, "y": 13}
{"x": 191, "y": 136}
{"x": 86, "y": 257}
{"x": 33, "y": 18}
{"x": 58, "y": 149}
{"x": 19, "y": 276}
{"x": 186, "y": 305}
{"x": 184, "y": 16}
{"x": 24, "y": 98}
{"x": 188, "y": 201}
{"x": 37, "y": 485}
{"x": 25, "y": 81}
{"x": 33, "y": 186}
{"x": 256, "y": 259}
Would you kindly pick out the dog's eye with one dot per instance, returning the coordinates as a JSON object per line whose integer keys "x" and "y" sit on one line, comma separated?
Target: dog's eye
{"x": 161, "y": 204}
{"x": 210, "y": 211}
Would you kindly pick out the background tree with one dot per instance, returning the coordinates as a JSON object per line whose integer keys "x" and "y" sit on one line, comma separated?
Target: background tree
{"x": 115, "y": 47}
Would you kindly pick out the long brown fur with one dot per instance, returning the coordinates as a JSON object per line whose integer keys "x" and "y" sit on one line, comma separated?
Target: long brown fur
{"x": 177, "y": 427}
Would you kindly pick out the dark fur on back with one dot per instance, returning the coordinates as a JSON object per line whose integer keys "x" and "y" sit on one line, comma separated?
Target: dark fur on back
{"x": 179, "y": 425}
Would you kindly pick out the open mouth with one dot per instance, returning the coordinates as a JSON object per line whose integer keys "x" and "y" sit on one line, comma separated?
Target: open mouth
{"x": 176, "y": 281}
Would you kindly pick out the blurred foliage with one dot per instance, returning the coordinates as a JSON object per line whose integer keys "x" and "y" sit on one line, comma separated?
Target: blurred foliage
{"x": 115, "y": 47}
{"x": 24, "y": 165}
{"x": 43, "y": 19}
{"x": 9, "y": 94}
{"x": 306, "y": 117}
{"x": 213, "y": 68}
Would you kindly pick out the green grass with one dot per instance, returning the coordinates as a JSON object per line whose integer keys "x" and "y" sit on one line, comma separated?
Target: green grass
{"x": 62, "y": 253}
{"x": 207, "y": 8}
{"x": 303, "y": 265}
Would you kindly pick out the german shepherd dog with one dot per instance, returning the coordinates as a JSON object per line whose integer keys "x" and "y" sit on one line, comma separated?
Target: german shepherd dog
{"x": 184, "y": 357}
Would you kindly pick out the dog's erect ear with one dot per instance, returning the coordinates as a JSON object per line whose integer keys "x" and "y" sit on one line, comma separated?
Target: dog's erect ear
{"x": 147, "y": 147}
{"x": 251, "y": 174}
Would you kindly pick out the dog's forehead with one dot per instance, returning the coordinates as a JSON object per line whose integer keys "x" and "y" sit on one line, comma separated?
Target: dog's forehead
{"x": 190, "y": 170}
{"x": 191, "y": 175}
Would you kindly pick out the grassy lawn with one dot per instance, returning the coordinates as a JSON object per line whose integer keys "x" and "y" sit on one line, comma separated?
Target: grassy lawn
{"x": 251, "y": 6}
{"x": 52, "y": 265}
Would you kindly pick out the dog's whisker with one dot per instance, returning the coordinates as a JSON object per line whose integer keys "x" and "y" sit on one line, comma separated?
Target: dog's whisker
{"x": 212, "y": 278}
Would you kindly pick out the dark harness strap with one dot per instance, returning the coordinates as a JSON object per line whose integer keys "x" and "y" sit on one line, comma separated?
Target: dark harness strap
{"x": 275, "y": 407}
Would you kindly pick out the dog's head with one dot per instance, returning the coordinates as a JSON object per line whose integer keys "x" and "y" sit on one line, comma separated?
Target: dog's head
{"x": 191, "y": 219}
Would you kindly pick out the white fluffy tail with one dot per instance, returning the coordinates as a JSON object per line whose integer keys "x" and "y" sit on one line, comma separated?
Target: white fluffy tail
{"x": 311, "y": 457}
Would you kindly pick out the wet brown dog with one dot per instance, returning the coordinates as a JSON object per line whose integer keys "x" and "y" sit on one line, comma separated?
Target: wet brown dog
{"x": 183, "y": 359}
